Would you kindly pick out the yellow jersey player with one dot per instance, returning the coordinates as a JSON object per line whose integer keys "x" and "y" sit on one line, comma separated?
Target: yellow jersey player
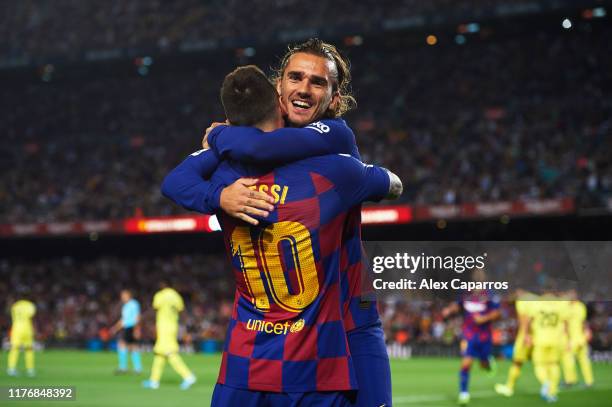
{"x": 168, "y": 304}
{"x": 578, "y": 347}
{"x": 548, "y": 325}
{"x": 22, "y": 336}
{"x": 521, "y": 351}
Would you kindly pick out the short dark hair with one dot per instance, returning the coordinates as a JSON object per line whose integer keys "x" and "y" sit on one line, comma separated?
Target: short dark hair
{"x": 248, "y": 96}
{"x": 342, "y": 79}
{"x": 165, "y": 282}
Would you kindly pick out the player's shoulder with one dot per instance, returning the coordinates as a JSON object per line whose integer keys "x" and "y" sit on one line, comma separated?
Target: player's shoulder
{"x": 565, "y": 306}
{"x": 556, "y": 305}
{"x": 170, "y": 292}
{"x": 325, "y": 126}
{"x": 522, "y": 307}
{"x": 492, "y": 297}
{"x": 531, "y": 305}
{"x": 327, "y": 162}
{"x": 536, "y": 306}
{"x": 23, "y": 304}
{"x": 341, "y": 166}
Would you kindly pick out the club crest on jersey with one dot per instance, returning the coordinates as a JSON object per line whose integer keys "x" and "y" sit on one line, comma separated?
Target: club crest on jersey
{"x": 297, "y": 326}
{"x": 319, "y": 126}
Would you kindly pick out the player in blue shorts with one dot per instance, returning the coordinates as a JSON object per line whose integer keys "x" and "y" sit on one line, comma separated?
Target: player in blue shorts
{"x": 480, "y": 309}
{"x": 313, "y": 81}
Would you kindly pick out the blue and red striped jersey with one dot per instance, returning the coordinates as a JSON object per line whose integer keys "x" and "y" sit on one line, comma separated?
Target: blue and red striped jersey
{"x": 477, "y": 303}
{"x": 358, "y": 311}
{"x": 286, "y": 332}
{"x": 187, "y": 186}
{"x": 286, "y": 144}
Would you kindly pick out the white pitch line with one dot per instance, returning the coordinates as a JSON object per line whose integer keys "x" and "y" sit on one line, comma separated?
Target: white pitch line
{"x": 431, "y": 398}
{"x": 424, "y": 398}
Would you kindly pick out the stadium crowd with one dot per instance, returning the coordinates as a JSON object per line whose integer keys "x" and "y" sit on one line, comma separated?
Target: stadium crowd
{"x": 38, "y": 28}
{"x": 422, "y": 323}
{"x": 493, "y": 119}
{"x": 78, "y": 300}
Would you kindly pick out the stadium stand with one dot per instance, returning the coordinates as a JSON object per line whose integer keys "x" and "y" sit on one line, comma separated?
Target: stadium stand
{"x": 492, "y": 120}
{"x": 77, "y": 301}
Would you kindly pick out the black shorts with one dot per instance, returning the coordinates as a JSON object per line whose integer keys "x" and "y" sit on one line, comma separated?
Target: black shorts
{"x": 128, "y": 336}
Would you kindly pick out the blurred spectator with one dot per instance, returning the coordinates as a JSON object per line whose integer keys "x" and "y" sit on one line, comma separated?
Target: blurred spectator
{"x": 78, "y": 299}
{"x": 71, "y": 28}
{"x": 494, "y": 119}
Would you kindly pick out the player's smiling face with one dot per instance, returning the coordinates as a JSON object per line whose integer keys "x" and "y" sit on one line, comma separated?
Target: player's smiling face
{"x": 306, "y": 88}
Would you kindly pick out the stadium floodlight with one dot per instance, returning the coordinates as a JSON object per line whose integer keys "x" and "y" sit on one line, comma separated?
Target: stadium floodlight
{"x": 567, "y": 23}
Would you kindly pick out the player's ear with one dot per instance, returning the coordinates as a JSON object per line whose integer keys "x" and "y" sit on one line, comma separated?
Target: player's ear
{"x": 277, "y": 84}
{"x": 282, "y": 106}
{"x": 334, "y": 105}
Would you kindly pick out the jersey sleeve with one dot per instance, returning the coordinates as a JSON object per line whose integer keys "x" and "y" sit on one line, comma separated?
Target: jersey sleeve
{"x": 359, "y": 182}
{"x": 156, "y": 301}
{"x": 283, "y": 145}
{"x": 136, "y": 308}
{"x": 520, "y": 307}
{"x": 582, "y": 311}
{"x": 566, "y": 310}
{"x": 188, "y": 184}
{"x": 180, "y": 305}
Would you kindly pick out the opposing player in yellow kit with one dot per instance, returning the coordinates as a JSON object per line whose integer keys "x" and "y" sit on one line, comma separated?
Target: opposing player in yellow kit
{"x": 22, "y": 336}
{"x": 579, "y": 336}
{"x": 168, "y": 304}
{"x": 521, "y": 352}
{"x": 548, "y": 323}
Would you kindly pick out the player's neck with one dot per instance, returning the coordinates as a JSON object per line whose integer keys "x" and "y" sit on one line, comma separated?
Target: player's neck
{"x": 267, "y": 126}
{"x": 270, "y": 125}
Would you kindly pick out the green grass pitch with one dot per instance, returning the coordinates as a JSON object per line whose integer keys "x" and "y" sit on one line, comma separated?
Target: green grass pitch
{"x": 428, "y": 382}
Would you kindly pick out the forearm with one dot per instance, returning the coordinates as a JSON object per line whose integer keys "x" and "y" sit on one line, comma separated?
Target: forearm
{"x": 279, "y": 146}
{"x": 118, "y": 325}
{"x": 523, "y": 326}
{"x": 450, "y": 310}
{"x": 187, "y": 186}
{"x": 492, "y": 316}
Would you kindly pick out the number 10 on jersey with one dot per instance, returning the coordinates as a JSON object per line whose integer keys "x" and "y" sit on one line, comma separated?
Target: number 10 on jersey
{"x": 260, "y": 260}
